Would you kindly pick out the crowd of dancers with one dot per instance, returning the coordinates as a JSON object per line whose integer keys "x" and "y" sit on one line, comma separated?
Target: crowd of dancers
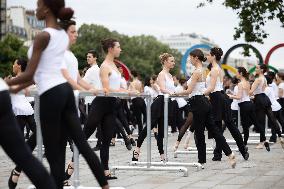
{"x": 53, "y": 71}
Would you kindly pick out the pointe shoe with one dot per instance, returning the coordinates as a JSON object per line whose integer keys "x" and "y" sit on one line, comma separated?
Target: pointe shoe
{"x": 281, "y": 140}
{"x": 69, "y": 171}
{"x": 135, "y": 155}
{"x": 232, "y": 160}
{"x": 11, "y": 184}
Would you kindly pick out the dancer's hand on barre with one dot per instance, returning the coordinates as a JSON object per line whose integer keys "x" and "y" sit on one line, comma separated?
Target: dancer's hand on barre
{"x": 94, "y": 91}
{"x": 133, "y": 92}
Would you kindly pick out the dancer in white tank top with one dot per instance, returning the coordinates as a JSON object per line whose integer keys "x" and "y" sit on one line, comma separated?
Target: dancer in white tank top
{"x": 202, "y": 110}
{"x": 263, "y": 105}
{"x": 57, "y": 100}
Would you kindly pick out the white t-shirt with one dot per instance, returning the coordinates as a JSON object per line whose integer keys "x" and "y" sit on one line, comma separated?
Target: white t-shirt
{"x": 92, "y": 77}
{"x": 275, "y": 89}
{"x": 151, "y": 91}
{"x": 70, "y": 63}
{"x": 234, "y": 104}
{"x": 3, "y": 85}
{"x": 21, "y": 105}
{"x": 275, "y": 106}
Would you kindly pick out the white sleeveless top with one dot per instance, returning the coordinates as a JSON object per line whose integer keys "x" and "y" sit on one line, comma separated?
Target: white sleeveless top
{"x": 199, "y": 87}
{"x": 114, "y": 80}
{"x": 21, "y": 105}
{"x": 275, "y": 106}
{"x": 259, "y": 89}
{"x": 3, "y": 85}
{"x": 234, "y": 104}
{"x": 48, "y": 73}
{"x": 245, "y": 97}
{"x": 169, "y": 84}
{"x": 218, "y": 85}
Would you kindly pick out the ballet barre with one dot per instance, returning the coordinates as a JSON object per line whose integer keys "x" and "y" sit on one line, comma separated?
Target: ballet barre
{"x": 148, "y": 165}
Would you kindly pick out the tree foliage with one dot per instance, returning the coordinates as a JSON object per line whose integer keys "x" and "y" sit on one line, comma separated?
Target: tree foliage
{"x": 11, "y": 48}
{"x": 253, "y": 15}
{"x": 140, "y": 53}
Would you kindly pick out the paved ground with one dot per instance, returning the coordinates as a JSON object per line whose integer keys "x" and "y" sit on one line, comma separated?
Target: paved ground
{"x": 263, "y": 170}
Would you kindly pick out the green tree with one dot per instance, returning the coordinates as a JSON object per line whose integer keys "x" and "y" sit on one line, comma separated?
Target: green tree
{"x": 11, "y": 48}
{"x": 140, "y": 53}
{"x": 253, "y": 15}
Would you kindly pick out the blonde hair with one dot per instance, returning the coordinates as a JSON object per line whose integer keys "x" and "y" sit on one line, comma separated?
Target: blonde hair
{"x": 164, "y": 57}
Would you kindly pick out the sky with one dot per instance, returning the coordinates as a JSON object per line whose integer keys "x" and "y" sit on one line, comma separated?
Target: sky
{"x": 170, "y": 17}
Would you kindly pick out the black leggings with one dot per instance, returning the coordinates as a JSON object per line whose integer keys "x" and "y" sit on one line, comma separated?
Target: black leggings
{"x": 26, "y": 121}
{"x": 12, "y": 142}
{"x": 59, "y": 118}
{"x": 185, "y": 126}
{"x": 279, "y": 116}
{"x": 223, "y": 109}
{"x": 157, "y": 118}
{"x": 202, "y": 117}
{"x": 262, "y": 108}
{"x": 122, "y": 116}
{"x": 139, "y": 108}
{"x": 31, "y": 142}
{"x": 248, "y": 118}
{"x": 102, "y": 113}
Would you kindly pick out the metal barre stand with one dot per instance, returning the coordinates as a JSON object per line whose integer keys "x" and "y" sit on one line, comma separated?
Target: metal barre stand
{"x": 166, "y": 163}
{"x": 149, "y": 166}
{"x": 39, "y": 140}
{"x": 193, "y": 150}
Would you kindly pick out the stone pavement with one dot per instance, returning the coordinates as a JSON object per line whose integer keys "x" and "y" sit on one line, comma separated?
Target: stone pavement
{"x": 263, "y": 170}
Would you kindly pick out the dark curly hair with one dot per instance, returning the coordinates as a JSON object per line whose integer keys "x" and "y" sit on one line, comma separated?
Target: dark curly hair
{"x": 217, "y": 52}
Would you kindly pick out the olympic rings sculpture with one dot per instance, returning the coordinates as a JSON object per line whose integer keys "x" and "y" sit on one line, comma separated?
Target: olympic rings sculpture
{"x": 224, "y": 65}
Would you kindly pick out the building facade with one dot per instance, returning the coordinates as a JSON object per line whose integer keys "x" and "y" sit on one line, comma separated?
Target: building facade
{"x": 23, "y": 23}
{"x": 3, "y": 4}
{"x": 183, "y": 41}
